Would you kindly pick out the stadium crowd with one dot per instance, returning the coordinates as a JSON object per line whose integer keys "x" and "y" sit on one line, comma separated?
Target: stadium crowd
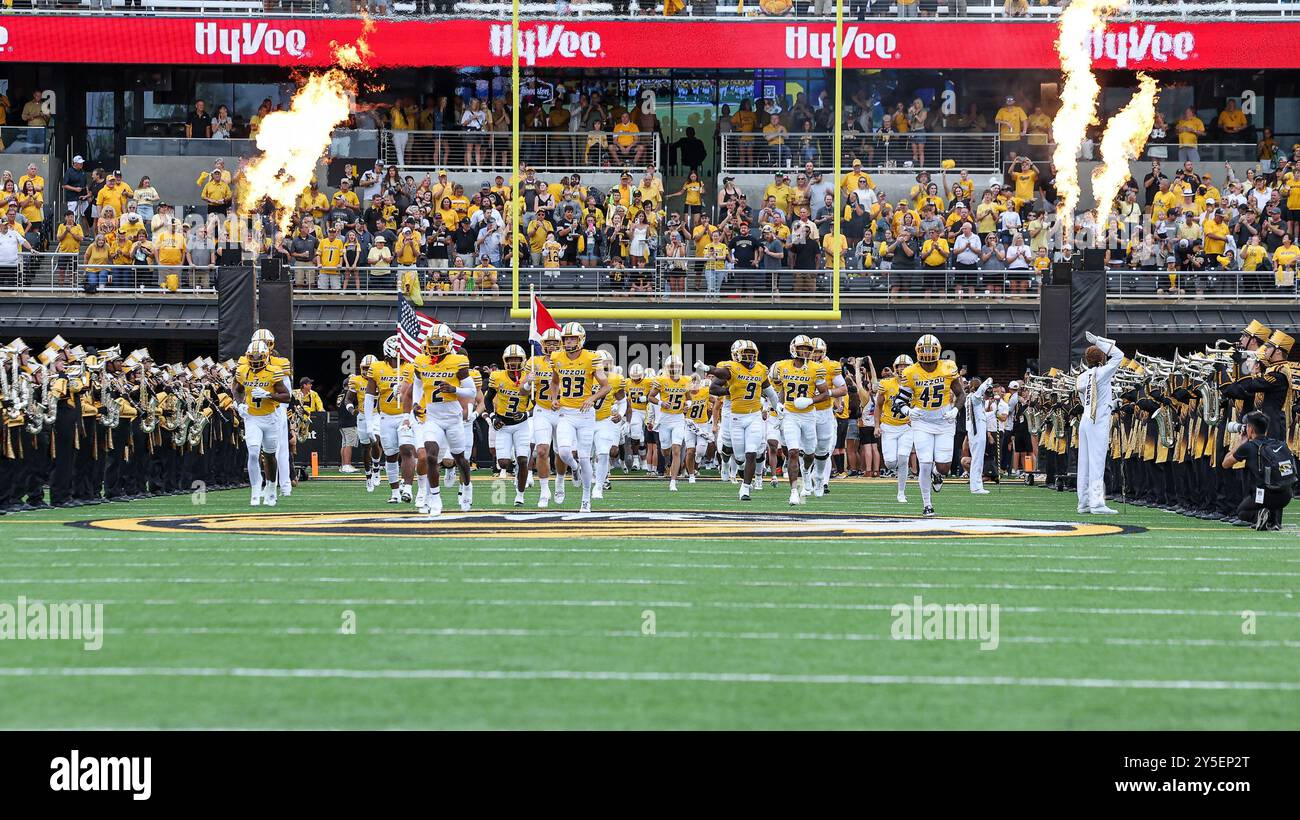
{"x": 1185, "y": 233}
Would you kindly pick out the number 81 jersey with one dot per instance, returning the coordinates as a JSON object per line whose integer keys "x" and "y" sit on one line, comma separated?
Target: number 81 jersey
{"x": 931, "y": 389}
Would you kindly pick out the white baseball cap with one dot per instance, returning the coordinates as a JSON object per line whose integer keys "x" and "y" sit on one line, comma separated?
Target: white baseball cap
{"x": 78, "y": 158}
{"x": 1014, "y": 385}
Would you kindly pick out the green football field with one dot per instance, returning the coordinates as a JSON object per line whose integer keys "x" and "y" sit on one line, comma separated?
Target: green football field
{"x": 334, "y": 610}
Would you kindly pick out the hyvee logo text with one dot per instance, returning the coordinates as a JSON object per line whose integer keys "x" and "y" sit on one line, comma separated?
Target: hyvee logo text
{"x": 543, "y": 41}
{"x": 248, "y": 39}
{"x": 75, "y": 773}
{"x": 801, "y": 42}
{"x": 1134, "y": 45}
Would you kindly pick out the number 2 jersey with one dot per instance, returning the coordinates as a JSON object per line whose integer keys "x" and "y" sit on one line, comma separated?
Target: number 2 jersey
{"x": 428, "y": 377}
{"x": 931, "y": 390}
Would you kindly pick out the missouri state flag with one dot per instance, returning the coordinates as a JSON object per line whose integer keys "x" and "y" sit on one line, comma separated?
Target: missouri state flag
{"x": 539, "y": 322}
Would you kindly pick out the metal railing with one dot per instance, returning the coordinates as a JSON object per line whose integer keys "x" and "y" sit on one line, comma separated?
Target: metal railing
{"x": 659, "y": 280}
{"x": 804, "y": 10}
{"x": 353, "y": 144}
{"x": 755, "y": 152}
{"x": 545, "y": 151}
{"x": 1208, "y": 151}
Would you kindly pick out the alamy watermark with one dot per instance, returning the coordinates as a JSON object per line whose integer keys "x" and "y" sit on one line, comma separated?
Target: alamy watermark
{"x": 919, "y": 621}
{"x": 41, "y": 621}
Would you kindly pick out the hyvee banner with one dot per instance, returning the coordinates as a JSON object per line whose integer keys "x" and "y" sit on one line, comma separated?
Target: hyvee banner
{"x": 577, "y": 43}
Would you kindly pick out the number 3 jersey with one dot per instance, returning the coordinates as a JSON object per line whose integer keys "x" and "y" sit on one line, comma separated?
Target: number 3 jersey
{"x": 931, "y": 391}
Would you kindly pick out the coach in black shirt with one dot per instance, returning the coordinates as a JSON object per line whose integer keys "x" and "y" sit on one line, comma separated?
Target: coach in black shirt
{"x": 198, "y": 122}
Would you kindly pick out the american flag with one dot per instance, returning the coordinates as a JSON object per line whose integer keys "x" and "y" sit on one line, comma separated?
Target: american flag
{"x": 413, "y": 326}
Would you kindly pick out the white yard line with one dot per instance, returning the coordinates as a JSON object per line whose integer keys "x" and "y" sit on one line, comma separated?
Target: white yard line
{"x": 651, "y": 582}
{"x": 608, "y": 676}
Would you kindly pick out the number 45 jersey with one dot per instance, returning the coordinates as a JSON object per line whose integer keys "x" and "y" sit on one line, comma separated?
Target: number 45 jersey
{"x": 931, "y": 392}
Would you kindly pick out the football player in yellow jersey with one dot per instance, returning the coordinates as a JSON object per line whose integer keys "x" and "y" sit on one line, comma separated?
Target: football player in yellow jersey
{"x": 578, "y": 382}
{"x": 394, "y": 428}
{"x": 439, "y": 381}
{"x": 929, "y": 393}
{"x": 800, "y": 383}
{"x": 699, "y": 424}
{"x": 824, "y": 412}
{"x": 545, "y": 419}
{"x": 357, "y": 401}
{"x": 284, "y": 473}
{"x": 510, "y": 400}
{"x": 637, "y": 387}
{"x": 668, "y": 394}
{"x": 259, "y": 390}
{"x": 894, "y": 429}
{"x": 742, "y": 383}
{"x": 611, "y": 409}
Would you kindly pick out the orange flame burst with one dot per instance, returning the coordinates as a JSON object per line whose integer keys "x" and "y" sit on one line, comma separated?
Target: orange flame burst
{"x": 293, "y": 141}
{"x": 1125, "y": 137}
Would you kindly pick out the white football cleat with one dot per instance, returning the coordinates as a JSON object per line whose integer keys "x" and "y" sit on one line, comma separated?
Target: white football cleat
{"x": 672, "y": 485}
{"x": 559, "y": 495}
{"x": 585, "y": 506}
{"x": 406, "y": 495}
{"x": 419, "y": 498}
{"x": 744, "y": 492}
{"x": 519, "y": 499}
{"x": 1103, "y": 510}
{"x": 347, "y": 468}
{"x": 690, "y": 479}
{"x": 269, "y": 497}
{"x": 980, "y": 491}
{"x": 796, "y": 498}
{"x": 818, "y": 489}
{"x": 528, "y": 485}
{"x": 902, "y": 498}
{"x": 434, "y": 500}
{"x": 597, "y": 492}
{"x": 370, "y": 482}
{"x": 1082, "y": 510}
{"x": 545, "y": 500}
{"x": 395, "y": 497}
{"x": 256, "y": 499}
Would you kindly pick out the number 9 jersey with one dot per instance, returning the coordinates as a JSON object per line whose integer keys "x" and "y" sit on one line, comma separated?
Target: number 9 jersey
{"x": 931, "y": 390}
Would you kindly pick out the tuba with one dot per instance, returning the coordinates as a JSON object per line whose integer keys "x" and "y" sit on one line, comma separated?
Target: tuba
{"x": 148, "y": 404}
{"x": 1164, "y": 419}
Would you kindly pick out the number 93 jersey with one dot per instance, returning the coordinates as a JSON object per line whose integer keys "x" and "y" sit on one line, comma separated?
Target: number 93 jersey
{"x": 576, "y": 377}
{"x": 931, "y": 389}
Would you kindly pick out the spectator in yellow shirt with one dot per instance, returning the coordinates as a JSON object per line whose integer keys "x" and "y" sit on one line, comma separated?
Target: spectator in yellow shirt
{"x": 113, "y": 195}
{"x": 329, "y": 258}
{"x": 782, "y": 191}
{"x": 1232, "y": 122}
{"x": 217, "y": 194}
{"x": 778, "y": 153}
{"x": 485, "y": 276}
{"x": 313, "y": 202}
{"x": 1012, "y": 123}
{"x": 68, "y": 237}
{"x": 309, "y": 398}
{"x": 1190, "y": 129}
{"x": 626, "y": 146}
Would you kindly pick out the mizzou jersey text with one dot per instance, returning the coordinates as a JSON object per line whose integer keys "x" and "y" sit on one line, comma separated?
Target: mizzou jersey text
{"x": 672, "y": 394}
{"x": 888, "y": 391}
{"x": 264, "y": 378}
{"x": 745, "y": 387}
{"x": 931, "y": 389}
{"x": 433, "y": 374}
{"x": 357, "y": 384}
{"x": 605, "y": 405}
{"x": 510, "y": 398}
{"x": 795, "y": 381}
{"x": 576, "y": 377}
{"x": 388, "y": 379}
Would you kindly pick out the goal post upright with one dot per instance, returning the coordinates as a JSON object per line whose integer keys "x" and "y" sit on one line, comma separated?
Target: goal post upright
{"x": 673, "y": 314}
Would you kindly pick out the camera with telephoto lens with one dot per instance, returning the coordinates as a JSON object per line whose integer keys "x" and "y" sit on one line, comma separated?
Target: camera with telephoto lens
{"x": 1235, "y": 427}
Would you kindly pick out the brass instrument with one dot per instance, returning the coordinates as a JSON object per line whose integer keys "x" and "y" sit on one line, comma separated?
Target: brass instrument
{"x": 149, "y": 408}
{"x": 45, "y": 409}
{"x": 1057, "y": 417}
{"x": 1164, "y": 419}
{"x": 1034, "y": 419}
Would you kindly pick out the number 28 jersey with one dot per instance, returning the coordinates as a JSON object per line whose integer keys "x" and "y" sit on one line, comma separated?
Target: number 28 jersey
{"x": 793, "y": 380}
{"x": 931, "y": 389}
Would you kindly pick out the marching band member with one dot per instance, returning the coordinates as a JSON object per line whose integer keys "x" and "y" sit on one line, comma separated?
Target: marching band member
{"x": 1102, "y": 358}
